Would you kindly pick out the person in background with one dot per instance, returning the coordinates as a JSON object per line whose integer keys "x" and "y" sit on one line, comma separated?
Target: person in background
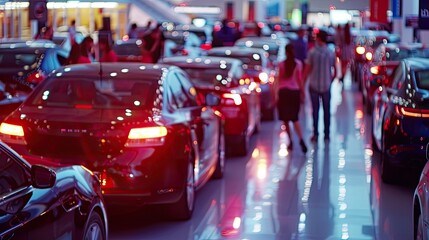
{"x": 106, "y": 52}
{"x": 44, "y": 32}
{"x": 81, "y": 53}
{"x": 154, "y": 43}
{"x": 344, "y": 48}
{"x": 301, "y": 46}
{"x": 72, "y": 31}
{"x": 226, "y": 34}
{"x": 291, "y": 94}
{"x": 320, "y": 71}
{"x": 146, "y": 55}
{"x": 133, "y": 33}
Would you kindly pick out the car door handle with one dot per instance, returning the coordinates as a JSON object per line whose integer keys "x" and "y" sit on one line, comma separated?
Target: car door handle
{"x": 71, "y": 203}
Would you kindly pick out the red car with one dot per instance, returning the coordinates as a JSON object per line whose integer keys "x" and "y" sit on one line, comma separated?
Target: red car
{"x": 239, "y": 99}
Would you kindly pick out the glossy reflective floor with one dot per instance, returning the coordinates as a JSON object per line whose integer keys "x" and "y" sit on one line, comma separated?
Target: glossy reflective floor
{"x": 332, "y": 192}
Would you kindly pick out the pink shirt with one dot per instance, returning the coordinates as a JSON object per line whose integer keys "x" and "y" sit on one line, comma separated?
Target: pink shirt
{"x": 293, "y": 82}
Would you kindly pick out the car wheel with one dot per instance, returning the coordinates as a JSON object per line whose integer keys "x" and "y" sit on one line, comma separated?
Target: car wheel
{"x": 220, "y": 163}
{"x": 418, "y": 234}
{"x": 183, "y": 209}
{"x": 94, "y": 229}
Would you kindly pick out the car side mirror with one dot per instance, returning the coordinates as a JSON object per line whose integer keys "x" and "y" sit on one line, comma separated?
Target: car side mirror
{"x": 42, "y": 177}
{"x": 212, "y": 99}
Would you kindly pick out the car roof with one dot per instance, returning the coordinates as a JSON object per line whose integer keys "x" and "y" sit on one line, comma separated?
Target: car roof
{"x": 416, "y": 63}
{"x": 237, "y": 50}
{"x": 109, "y": 70}
{"x": 28, "y": 44}
{"x": 403, "y": 45}
{"x": 201, "y": 62}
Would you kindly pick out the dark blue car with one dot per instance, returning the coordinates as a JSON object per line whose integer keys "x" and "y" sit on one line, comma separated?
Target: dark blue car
{"x": 37, "y": 202}
{"x": 401, "y": 120}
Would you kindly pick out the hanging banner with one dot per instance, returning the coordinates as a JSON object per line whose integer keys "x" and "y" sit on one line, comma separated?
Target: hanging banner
{"x": 378, "y": 10}
{"x": 424, "y": 14}
{"x": 396, "y": 8}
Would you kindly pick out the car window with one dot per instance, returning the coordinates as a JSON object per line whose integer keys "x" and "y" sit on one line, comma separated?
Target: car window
{"x": 178, "y": 96}
{"x": 188, "y": 89}
{"x": 128, "y": 48}
{"x": 68, "y": 92}
{"x": 422, "y": 79}
{"x": 20, "y": 60}
{"x": 12, "y": 175}
{"x": 211, "y": 77}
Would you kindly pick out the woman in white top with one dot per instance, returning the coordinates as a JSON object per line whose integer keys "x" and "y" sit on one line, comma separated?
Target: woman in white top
{"x": 291, "y": 94}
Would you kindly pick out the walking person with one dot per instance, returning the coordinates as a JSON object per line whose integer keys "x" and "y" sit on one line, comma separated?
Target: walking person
{"x": 320, "y": 71}
{"x": 133, "y": 32}
{"x": 344, "y": 48}
{"x": 72, "y": 31}
{"x": 291, "y": 94}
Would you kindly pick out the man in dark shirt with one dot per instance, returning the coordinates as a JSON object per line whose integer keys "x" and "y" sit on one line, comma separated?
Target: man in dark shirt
{"x": 301, "y": 46}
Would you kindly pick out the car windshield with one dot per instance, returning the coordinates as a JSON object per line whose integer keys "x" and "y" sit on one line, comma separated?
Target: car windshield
{"x": 251, "y": 61}
{"x": 67, "y": 92}
{"x": 211, "y": 77}
{"x": 20, "y": 60}
{"x": 399, "y": 54}
{"x": 128, "y": 48}
{"x": 422, "y": 79}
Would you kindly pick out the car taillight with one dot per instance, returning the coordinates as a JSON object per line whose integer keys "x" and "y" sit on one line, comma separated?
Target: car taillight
{"x": 146, "y": 136}
{"x": 375, "y": 70}
{"x": 11, "y": 133}
{"x": 232, "y": 99}
{"x": 412, "y": 112}
{"x": 360, "y": 50}
{"x": 105, "y": 181}
{"x": 206, "y": 46}
{"x": 36, "y": 77}
{"x": 83, "y": 106}
{"x": 368, "y": 56}
{"x": 263, "y": 77}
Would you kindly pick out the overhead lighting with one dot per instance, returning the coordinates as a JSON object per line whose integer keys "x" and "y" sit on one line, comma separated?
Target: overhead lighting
{"x": 201, "y": 10}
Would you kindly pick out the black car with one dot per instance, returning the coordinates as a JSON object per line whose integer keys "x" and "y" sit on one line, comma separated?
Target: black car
{"x": 401, "y": 120}
{"x": 48, "y": 203}
{"x": 23, "y": 65}
{"x": 141, "y": 128}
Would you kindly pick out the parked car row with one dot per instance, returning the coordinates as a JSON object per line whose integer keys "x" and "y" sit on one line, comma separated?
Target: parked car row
{"x": 394, "y": 81}
{"x": 126, "y": 132}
